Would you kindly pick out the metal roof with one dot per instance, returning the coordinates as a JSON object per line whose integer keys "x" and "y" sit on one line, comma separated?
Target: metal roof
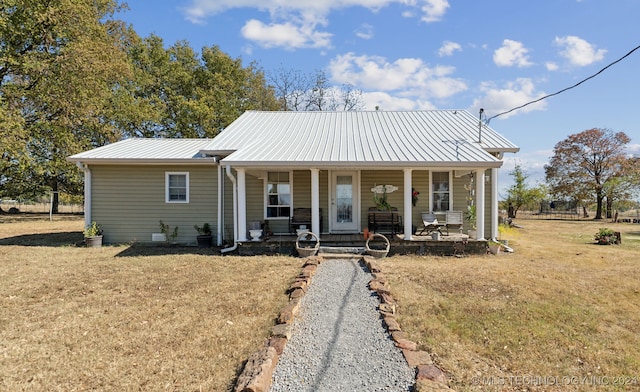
{"x": 374, "y": 138}
{"x": 147, "y": 151}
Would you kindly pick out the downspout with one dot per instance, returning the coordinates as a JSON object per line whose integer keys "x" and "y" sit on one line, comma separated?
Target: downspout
{"x": 235, "y": 213}
{"x": 87, "y": 192}
{"x": 220, "y": 198}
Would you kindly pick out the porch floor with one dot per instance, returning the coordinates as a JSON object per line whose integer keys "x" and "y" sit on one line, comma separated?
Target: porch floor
{"x": 452, "y": 244}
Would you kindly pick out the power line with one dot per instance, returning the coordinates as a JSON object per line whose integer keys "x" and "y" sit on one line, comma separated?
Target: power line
{"x": 565, "y": 89}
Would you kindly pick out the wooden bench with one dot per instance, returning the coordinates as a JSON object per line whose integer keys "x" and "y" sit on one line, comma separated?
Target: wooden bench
{"x": 385, "y": 221}
{"x": 302, "y": 216}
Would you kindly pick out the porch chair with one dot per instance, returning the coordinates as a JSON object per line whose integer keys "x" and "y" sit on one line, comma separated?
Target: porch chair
{"x": 430, "y": 223}
{"x": 453, "y": 219}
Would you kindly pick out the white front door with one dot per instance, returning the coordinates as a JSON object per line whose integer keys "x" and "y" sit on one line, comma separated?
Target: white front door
{"x": 345, "y": 205}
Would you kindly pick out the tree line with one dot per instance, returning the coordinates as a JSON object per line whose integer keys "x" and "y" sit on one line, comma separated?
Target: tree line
{"x": 74, "y": 77}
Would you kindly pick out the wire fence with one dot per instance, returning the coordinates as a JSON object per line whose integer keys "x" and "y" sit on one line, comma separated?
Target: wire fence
{"x": 40, "y": 208}
{"x": 577, "y": 215}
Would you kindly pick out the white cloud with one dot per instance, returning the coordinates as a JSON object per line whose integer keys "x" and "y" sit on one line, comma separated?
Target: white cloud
{"x": 511, "y": 53}
{"x": 513, "y": 94}
{"x": 448, "y": 48}
{"x": 407, "y": 77}
{"x": 633, "y": 149}
{"x": 551, "y": 66}
{"x": 198, "y": 10}
{"x": 293, "y": 23}
{"x": 287, "y": 35}
{"x": 532, "y": 163}
{"x": 434, "y": 10}
{"x": 385, "y": 101}
{"x": 578, "y": 51}
{"x": 365, "y": 31}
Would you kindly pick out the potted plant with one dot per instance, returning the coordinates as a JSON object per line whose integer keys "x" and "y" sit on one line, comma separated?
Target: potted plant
{"x": 606, "y": 237}
{"x": 494, "y": 247}
{"x": 470, "y": 217}
{"x": 204, "y": 238}
{"x": 93, "y": 235}
{"x": 169, "y": 235}
{"x": 382, "y": 204}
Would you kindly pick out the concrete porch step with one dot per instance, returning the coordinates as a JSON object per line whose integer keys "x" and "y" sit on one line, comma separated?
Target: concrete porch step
{"x": 341, "y": 250}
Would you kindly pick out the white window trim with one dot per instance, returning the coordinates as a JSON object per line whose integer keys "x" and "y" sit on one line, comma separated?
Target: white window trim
{"x": 431, "y": 191}
{"x": 266, "y": 195}
{"x": 166, "y": 187}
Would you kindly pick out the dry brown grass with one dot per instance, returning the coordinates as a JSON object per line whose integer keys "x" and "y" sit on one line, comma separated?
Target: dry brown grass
{"x": 559, "y": 306}
{"x": 125, "y": 318}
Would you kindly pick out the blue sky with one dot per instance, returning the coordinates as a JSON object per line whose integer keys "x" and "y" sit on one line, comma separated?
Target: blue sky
{"x": 439, "y": 54}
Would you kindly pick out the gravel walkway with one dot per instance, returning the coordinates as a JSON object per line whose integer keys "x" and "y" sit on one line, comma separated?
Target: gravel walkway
{"x": 339, "y": 342}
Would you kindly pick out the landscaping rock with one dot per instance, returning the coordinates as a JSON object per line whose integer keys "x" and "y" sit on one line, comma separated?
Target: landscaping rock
{"x": 387, "y": 309}
{"x": 386, "y": 298}
{"x": 432, "y": 373}
{"x": 257, "y": 372}
{"x": 296, "y": 294}
{"x": 281, "y": 330}
{"x": 399, "y": 335}
{"x": 406, "y": 344}
{"x": 430, "y": 386}
{"x": 392, "y": 324}
{"x": 287, "y": 314}
{"x": 417, "y": 358}
{"x": 278, "y": 343}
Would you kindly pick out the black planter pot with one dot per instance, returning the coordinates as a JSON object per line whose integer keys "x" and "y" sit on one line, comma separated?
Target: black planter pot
{"x": 205, "y": 241}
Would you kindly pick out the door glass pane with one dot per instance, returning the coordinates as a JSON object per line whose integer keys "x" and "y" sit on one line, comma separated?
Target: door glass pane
{"x": 344, "y": 199}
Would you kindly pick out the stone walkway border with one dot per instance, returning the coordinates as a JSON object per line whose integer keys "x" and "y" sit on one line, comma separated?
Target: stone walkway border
{"x": 257, "y": 373}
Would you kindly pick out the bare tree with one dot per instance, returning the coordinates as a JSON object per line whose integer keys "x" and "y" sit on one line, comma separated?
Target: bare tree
{"x": 313, "y": 92}
{"x": 291, "y": 88}
{"x": 587, "y": 163}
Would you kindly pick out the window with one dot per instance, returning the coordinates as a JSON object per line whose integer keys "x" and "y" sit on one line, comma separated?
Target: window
{"x": 278, "y": 194}
{"x": 176, "y": 187}
{"x": 440, "y": 189}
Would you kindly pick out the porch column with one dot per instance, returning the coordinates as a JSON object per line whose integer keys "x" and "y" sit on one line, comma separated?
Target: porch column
{"x": 315, "y": 201}
{"x": 407, "y": 205}
{"x": 494, "y": 203}
{"x": 87, "y": 193}
{"x": 480, "y": 204}
{"x": 242, "y": 204}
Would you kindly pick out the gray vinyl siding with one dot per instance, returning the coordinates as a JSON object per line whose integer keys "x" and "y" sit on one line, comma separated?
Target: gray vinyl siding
{"x": 255, "y": 200}
{"x": 129, "y": 202}
{"x": 371, "y": 178}
{"x": 460, "y": 198}
{"x": 227, "y": 208}
{"x": 420, "y": 181}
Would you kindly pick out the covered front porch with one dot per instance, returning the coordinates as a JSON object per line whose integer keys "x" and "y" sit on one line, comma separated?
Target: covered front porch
{"x": 339, "y": 202}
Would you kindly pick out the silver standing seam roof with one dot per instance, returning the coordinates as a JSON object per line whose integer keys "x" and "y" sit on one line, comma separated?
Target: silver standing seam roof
{"x": 147, "y": 151}
{"x": 444, "y": 138}
{"x": 357, "y": 139}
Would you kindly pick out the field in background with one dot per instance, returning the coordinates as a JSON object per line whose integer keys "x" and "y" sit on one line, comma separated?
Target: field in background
{"x": 558, "y": 309}
{"x": 41, "y": 208}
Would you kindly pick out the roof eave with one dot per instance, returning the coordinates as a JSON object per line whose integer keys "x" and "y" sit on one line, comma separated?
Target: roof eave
{"x": 513, "y": 150}
{"x": 360, "y": 164}
{"x": 116, "y": 161}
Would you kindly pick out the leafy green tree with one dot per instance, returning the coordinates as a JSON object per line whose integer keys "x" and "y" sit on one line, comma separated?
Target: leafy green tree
{"x": 177, "y": 92}
{"x": 59, "y": 63}
{"x": 587, "y": 163}
{"x": 520, "y": 193}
